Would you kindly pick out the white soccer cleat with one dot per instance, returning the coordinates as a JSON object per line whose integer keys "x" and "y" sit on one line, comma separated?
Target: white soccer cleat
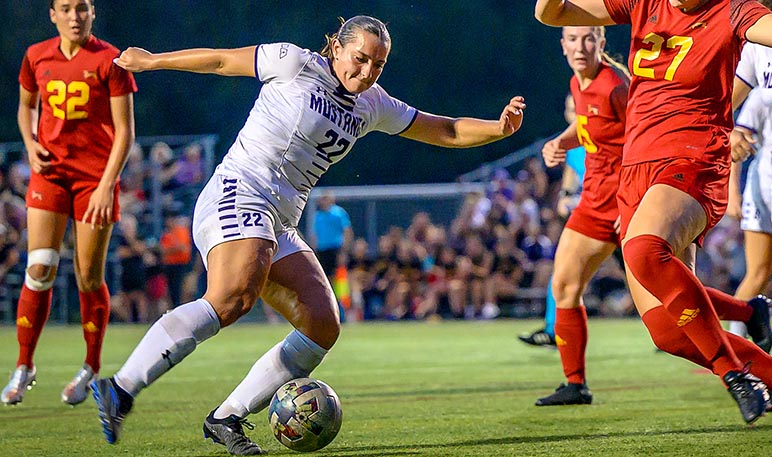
{"x": 21, "y": 381}
{"x": 77, "y": 390}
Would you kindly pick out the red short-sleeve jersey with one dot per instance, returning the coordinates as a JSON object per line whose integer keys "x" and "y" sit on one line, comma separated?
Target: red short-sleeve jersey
{"x": 683, "y": 66}
{"x": 75, "y": 123}
{"x": 600, "y": 125}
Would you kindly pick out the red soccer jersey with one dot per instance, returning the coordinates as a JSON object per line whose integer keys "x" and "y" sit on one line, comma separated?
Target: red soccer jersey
{"x": 683, "y": 67}
{"x": 600, "y": 126}
{"x": 75, "y": 123}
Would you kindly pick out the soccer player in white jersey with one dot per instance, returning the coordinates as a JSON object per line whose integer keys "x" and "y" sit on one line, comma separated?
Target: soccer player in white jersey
{"x": 311, "y": 109}
{"x": 751, "y": 205}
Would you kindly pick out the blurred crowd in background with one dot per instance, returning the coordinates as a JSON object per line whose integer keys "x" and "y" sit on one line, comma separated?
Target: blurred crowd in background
{"x": 494, "y": 258}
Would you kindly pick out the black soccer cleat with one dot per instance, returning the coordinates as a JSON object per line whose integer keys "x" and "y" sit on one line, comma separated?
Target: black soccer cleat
{"x": 114, "y": 404}
{"x": 539, "y": 338}
{"x": 758, "y": 325}
{"x": 749, "y": 392}
{"x": 230, "y": 433}
{"x": 567, "y": 394}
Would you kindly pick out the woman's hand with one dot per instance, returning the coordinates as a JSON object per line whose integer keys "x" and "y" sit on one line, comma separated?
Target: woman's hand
{"x": 553, "y": 153}
{"x": 512, "y": 117}
{"x": 99, "y": 212}
{"x": 742, "y": 143}
{"x": 39, "y": 158}
{"x": 134, "y": 59}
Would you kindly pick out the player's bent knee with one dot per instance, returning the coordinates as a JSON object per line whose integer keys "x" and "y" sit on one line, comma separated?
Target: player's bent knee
{"x": 645, "y": 255}
{"x": 47, "y": 258}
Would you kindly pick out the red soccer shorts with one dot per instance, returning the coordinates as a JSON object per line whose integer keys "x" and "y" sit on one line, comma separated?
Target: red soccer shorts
{"x": 706, "y": 182}
{"x": 585, "y": 220}
{"x": 66, "y": 195}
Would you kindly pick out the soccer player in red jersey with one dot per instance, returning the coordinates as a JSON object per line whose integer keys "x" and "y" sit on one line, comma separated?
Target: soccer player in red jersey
{"x": 599, "y": 89}
{"x": 76, "y": 151}
{"x": 675, "y": 168}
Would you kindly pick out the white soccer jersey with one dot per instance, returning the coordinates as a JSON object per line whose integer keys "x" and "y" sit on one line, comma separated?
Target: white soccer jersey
{"x": 756, "y": 115}
{"x": 303, "y": 122}
{"x": 755, "y": 67}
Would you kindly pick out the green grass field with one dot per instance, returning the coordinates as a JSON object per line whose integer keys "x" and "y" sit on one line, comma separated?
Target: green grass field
{"x": 407, "y": 389}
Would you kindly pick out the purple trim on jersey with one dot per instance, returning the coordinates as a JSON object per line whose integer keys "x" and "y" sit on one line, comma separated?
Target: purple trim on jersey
{"x": 744, "y": 81}
{"x": 746, "y": 127}
{"x": 409, "y": 124}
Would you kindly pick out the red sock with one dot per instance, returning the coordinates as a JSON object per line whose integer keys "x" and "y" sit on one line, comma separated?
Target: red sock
{"x": 31, "y": 316}
{"x": 651, "y": 261}
{"x": 761, "y": 362}
{"x": 571, "y": 337}
{"x": 660, "y": 325}
{"x": 94, "y": 314}
{"x": 729, "y": 308}
{"x": 670, "y": 338}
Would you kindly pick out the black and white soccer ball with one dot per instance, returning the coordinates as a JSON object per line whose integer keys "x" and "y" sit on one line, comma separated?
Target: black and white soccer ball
{"x": 305, "y": 414}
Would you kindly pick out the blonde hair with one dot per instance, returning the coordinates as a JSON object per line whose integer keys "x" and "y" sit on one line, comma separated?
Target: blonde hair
{"x": 600, "y": 31}
{"x": 348, "y": 31}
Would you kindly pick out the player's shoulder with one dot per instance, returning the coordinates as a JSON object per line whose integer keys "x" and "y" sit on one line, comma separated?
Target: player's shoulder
{"x": 283, "y": 61}
{"x": 41, "y": 48}
{"x": 95, "y": 44}
{"x": 614, "y": 75}
{"x": 284, "y": 51}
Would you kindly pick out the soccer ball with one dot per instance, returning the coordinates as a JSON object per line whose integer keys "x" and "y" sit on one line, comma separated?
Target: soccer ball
{"x": 305, "y": 414}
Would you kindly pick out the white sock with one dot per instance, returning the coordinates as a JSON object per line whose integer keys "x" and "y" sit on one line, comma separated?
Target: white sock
{"x": 738, "y": 328}
{"x": 295, "y": 357}
{"x": 169, "y": 340}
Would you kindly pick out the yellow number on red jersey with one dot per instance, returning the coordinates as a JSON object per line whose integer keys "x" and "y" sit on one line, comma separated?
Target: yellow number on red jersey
{"x": 64, "y": 107}
{"x": 584, "y": 135}
{"x": 683, "y": 43}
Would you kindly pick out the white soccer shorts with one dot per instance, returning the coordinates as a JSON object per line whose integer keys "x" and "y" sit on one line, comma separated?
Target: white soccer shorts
{"x": 757, "y": 201}
{"x": 229, "y": 209}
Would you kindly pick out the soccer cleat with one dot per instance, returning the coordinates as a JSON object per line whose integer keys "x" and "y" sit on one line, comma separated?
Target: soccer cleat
{"x": 567, "y": 394}
{"x": 749, "y": 392}
{"x": 758, "y": 325}
{"x": 539, "y": 338}
{"x": 230, "y": 433}
{"x": 21, "y": 381}
{"x": 76, "y": 391}
{"x": 114, "y": 404}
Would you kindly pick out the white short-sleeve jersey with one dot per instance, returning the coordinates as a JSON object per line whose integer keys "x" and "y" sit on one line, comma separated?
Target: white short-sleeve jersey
{"x": 756, "y": 115}
{"x": 755, "y": 67}
{"x": 302, "y": 122}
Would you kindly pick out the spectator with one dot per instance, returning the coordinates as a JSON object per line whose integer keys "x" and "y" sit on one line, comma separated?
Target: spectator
{"x": 190, "y": 169}
{"x": 176, "y": 246}
{"x": 131, "y": 303}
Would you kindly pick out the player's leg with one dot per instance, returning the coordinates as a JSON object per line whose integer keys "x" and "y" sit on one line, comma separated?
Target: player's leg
{"x": 237, "y": 271}
{"x": 237, "y": 244}
{"x": 665, "y": 222}
{"x": 45, "y": 232}
{"x": 90, "y": 258}
{"x": 298, "y": 290}
{"x": 544, "y": 336}
{"x": 577, "y": 259}
{"x": 758, "y": 268}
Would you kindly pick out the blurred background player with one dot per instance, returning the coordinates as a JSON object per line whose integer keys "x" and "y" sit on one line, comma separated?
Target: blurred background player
{"x": 599, "y": 89}
{"x": 76, "y": 151}
{"x": 752, "y": 206}
{"x": 332, "y": 236}
{"x": 568, "y": 198}
{"x": 675, "y": 171}
{"x": 311, "y": 109}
